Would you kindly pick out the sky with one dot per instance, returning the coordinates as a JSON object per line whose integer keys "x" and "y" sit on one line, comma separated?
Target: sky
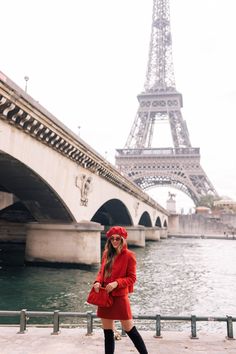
{"x": 87, "y": 60}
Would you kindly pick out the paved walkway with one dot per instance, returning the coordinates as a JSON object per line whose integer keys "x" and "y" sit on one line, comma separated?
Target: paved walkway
{"x": 75, "y": 341}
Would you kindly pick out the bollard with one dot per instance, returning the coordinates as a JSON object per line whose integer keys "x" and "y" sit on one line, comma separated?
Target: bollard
{"x": 89, "y": 323}
{"x": 193, "y": 327}
{"x": 23, "y": 320}
{"x": 230, "y": 334}
{"x": 56, "y": 323}
{"x": 158, "y": 327}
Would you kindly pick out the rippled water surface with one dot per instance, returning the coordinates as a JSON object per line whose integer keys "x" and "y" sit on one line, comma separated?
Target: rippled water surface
{"x": 175, "y": 277}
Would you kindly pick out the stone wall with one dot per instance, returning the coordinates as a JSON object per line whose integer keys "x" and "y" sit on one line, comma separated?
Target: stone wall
{"x": 203, "y": 225}
{"x": 229, "y": 219}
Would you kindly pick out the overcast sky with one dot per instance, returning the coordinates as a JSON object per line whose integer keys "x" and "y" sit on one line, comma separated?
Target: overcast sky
{"x": 86, "y": 61}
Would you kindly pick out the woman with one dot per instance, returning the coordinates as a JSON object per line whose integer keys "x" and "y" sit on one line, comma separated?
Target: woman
{"x": 118, "y": 275}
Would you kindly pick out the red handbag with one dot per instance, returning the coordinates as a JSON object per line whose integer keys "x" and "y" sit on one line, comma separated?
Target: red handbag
{"x": 101, "y": 299}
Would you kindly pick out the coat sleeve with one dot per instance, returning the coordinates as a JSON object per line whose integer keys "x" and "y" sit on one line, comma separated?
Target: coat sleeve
{"x": 130, "y": 277}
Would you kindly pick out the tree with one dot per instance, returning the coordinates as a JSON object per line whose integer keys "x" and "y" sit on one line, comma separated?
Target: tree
{"x": 208, "y": 201}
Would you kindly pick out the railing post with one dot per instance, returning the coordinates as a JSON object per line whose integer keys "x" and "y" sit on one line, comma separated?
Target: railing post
{"x": 89, "y": 323}
{"x": 230, "y": 334}
{"x": 158, "y": 327}
{"x": 23, "y": 320}
{"x": 193, "y": 327}
{"x": 123, "y": 333}
{"x": 56, "y": 323}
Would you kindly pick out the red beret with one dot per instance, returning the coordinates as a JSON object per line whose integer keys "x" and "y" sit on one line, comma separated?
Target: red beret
{"x": 117, "y": 230}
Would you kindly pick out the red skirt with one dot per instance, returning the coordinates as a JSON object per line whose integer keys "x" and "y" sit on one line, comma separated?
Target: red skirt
{"x": 120, "y": 309}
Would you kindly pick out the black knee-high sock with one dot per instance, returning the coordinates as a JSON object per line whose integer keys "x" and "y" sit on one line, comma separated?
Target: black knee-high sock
{"x": 109, "y": 341}
{"x": 137, "y": 340}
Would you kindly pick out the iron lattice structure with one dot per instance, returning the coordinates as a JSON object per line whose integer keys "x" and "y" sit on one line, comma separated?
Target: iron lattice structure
{"x": 177, "y": 166}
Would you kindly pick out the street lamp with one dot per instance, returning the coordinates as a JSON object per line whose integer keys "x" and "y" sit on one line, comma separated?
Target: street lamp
{"x": 26, "y": 80}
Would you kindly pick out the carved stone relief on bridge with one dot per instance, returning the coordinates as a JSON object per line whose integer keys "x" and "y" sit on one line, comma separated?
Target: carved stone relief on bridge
{"x": 84, "y": 183}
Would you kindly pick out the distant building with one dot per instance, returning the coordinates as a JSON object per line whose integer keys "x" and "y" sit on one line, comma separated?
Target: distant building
{"x": 203, "y": 210}
{"x": 225, "y": 206}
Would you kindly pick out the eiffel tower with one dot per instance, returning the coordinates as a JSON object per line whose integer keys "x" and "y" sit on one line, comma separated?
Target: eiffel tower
{"x": 177, "y": 166}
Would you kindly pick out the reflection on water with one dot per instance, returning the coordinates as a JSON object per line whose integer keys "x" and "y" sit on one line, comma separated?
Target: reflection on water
{"x": 175, "y": 277}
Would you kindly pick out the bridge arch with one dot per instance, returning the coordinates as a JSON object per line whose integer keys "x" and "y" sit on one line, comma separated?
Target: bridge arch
{"x": 32, "y": 194}
{"x": 113, "y": 212}
{"x": 158, "y": 222}
{"x": 145, "y": 220}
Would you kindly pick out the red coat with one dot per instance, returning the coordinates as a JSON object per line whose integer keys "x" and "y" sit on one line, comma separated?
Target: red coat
{"x": 123, "y": 271}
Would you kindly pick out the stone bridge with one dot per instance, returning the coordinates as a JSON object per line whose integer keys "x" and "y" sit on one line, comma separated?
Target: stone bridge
{"x": 60, "y": 191}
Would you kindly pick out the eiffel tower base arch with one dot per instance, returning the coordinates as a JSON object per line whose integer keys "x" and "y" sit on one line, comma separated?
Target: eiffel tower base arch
{"x": 177, "y": 168}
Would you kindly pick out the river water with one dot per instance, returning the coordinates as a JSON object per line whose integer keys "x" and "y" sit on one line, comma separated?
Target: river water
{"x": 174, "y": 277}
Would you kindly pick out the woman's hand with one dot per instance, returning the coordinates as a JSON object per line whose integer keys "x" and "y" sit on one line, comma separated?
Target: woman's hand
{"x": 97, "y": 286}
{"x": 111, "y": 286}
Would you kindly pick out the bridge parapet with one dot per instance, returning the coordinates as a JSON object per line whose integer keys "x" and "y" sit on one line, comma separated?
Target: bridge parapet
{"x": 21, "y": 110}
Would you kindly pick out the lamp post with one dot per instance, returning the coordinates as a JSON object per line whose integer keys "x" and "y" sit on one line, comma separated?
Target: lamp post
{"x": 26, "y": 81}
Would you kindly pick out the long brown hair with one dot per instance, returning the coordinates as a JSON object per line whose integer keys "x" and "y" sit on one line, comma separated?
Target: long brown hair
{"x": 111, "y": 253}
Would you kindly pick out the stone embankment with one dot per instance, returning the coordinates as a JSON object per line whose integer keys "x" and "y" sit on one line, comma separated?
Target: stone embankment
{"x": 208, "y": 226}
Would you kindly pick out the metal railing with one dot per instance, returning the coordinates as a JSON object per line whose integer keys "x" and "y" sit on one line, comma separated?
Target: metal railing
{"x": 57, "y": 315}
{"x": 188, "y": 151}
